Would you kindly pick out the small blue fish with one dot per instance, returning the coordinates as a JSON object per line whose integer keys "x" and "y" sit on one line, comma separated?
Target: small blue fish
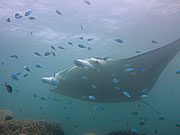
{"x": 135, "y": 131}
{"x": 53, "y": 47}
{"x": 70, "y": 43}
{"x": 127, "y": 65}
{"x": 114, "y": 119}
{"x": 144, "y": 90}
{"x": 163, "y": 118}
{"x": 178, "y": 72}
{"x": 43, "y": 98}
{"x": 8, "y": 19}
{"x": 28, "y": 13}
{"x": 94, "y": 86}
{"x": 138, "y": 51}
{"x": 154, "y": 42}
{"x": 118, "y": 40}
{"x": 106, "y": 58}
{"x": 84, "y": 77}
{"x": 177, "y": 125}
{"x": 38, "y": 66}
{"x": 37, "y": 53}
{"x": 115, "y": 80}
{"x": 96, "y": 109}
{"x": 143, "y": 69}
{"x": 87, "y": 2}
{"x": 126, "y": 94}
{"x": 18, "y": 16}
{"x": 89, "y": 48}
{"x": 81, "y": 46}
{"x": 132, "y": 73}
{"x": 92, "y": 97}
{"x": 113, "y": 74}
{"x": 32, "y": 18}
{"x": 58, "y": 12}
{"x": 61, "y": 47}
{"x": 47, "y": 53}
{"x": 14, "y": 56}
{"x": 144, "y": 96}
{"x": 49, "y": 97}
{"x": 81, "y": 38}
{"x": 129, "y": 69}
{"x": 13, "y": 76}
{"x": 27, "y": 68}
{"x": 117, "y": 88}
{"x": 90, "y": 39}
{"x": 53, "y": 53}
{"x": 53, "y": 83}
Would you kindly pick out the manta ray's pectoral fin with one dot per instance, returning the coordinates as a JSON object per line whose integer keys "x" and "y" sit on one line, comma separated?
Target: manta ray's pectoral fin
{"x": 154, "y": 109}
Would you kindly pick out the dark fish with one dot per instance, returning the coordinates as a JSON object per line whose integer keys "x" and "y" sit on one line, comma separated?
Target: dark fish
{"x": 37, "y": 53}
{"x": 31, "y": 33}
{"x": 134, "y": 113}
{"x": 53, "y": 47}
{"x": 155, "y": 131}
{"x": 61, "y": 47}
{"x": 89, "y": 48}
{"x": 53, "y": 53}
{"x": 142, "y": 123}
{"x": 154, "y": 42}
{"x": 8, "y": 87}
{"x": 43, "y": 98}
{"x": 76, "y": 126}
{"x": 68, "y": 118}
{"x": 8, "y": 19}
{"x": 139, "y": 105}
{"x": 70, "y": 43}
{"x": 70, "y": 102}
{"x": 87, "y": 2}
{"x": 2, "y": 63}
{"x": 34, "y": 96}
{"x": 58, "y": 12}
{"x": 20, "y": 110}
{"x": 82, "y": 27}
{"x": 89, "y": 39}
{"x": 14, "y": 56}
{"x": 81, "y": 38}
{"x": 177, "y": 125}
{"x": 94, "y": 118}
{"x": 163, "y": 118}
{"x": 118, "y": 40}
{"x": 81, "y": 46}
{"x": 32, "y": 18}
{"x": 28, "y": 13}
{"x": 19, "y": 73}
{"x": 18, "y": 16}
{"x": 47, "y": 53}
{"x": 25, "y": 75}
{"x": 40, "y": 107}
{"x": 17, "y": 90}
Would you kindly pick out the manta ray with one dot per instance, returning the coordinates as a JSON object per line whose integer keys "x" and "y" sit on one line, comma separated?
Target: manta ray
{"x": 107, "y": 80}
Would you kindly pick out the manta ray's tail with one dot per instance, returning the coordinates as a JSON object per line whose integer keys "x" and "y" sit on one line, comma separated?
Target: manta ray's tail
{"x": 154, "y": 109}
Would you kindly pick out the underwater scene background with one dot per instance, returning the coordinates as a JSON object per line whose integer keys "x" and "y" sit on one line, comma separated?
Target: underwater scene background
{"x": 96, "y": 24}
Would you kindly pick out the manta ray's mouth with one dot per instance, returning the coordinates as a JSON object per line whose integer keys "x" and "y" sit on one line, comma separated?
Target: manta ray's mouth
{"x": 48, "y": 80}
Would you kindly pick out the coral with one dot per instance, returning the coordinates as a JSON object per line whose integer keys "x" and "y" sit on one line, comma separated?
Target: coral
{"x": 6, "y": 115}
{"x": 29, "y": 127}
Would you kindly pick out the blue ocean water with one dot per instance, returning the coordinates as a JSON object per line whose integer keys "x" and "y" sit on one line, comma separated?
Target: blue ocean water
{"x": 136, "y": 22}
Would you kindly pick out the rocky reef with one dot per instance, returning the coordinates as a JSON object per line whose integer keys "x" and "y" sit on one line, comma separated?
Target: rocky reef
{"x": 122, "y": 133}
{"x": 10, "y": 126}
